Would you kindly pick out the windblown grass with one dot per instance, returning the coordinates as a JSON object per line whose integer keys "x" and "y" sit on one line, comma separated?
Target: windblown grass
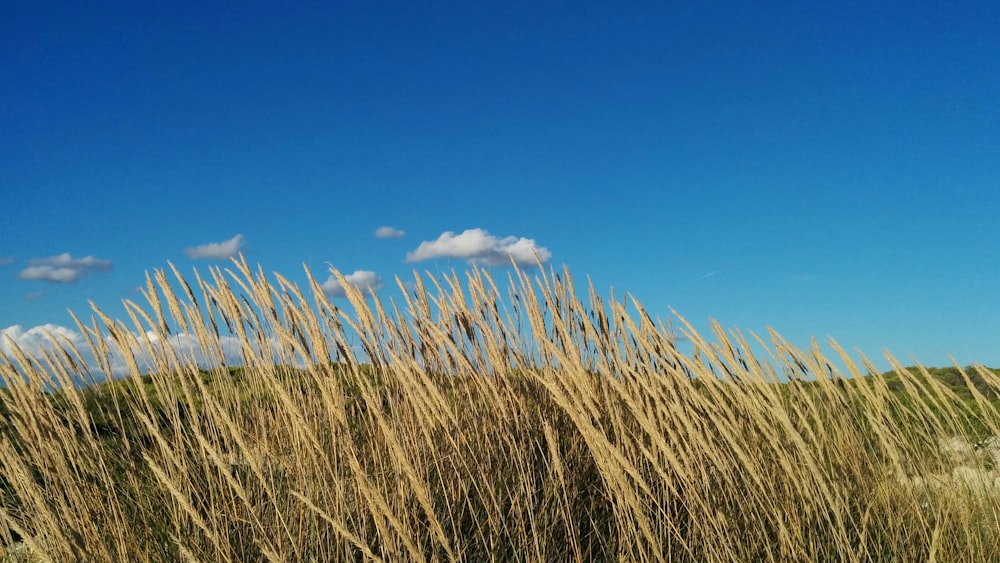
{"x": 551, "y": 429}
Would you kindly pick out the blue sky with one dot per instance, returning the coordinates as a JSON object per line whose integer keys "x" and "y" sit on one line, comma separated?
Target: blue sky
{"x": 824, "y": 170}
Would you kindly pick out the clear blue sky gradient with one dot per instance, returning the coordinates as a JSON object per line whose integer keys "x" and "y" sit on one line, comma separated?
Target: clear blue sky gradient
{"x": 828, "y": 171}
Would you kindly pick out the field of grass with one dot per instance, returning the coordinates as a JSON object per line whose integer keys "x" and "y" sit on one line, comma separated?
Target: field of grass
{"x": 551, "y": 428}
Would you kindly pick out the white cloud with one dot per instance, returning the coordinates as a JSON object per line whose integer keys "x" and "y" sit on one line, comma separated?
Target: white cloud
{"x": 477, "y": 246}
{"x": 389, "y": 232}
{"x": 187, "y": 349}
{"x": 4, "y": 260}
{"x": 217, "y": 250}
{"x": 35, "y": 341}
{"x": 63, "y": 268}
{"x": 34, "y": 295}
{"x": 365, "y": 280}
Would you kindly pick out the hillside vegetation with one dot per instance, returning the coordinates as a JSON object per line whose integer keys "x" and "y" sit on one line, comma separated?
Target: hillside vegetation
{"x": 453, "y": 427}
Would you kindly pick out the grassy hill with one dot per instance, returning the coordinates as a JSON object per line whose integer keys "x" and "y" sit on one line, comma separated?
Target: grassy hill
{"x": 561, "y": 430}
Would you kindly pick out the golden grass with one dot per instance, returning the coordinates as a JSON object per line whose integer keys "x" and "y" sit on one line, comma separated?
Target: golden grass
{"x": 547, "y": 429}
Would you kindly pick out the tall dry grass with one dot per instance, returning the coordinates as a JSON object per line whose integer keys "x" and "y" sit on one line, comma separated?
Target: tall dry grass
{"x": 551, "y": 428}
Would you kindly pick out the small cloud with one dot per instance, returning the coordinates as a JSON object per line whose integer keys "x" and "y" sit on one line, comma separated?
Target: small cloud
{"x": 389, "y": 232}
{"x": 34, "y": 295}
{"x": 365, "y": 280}
{"x": 708, "y": 275}
{"x": 476, "y": 246}
{"x": 63, "y": 268}
{"x": 216, "y": 250}
{"x": 4, "y": 260}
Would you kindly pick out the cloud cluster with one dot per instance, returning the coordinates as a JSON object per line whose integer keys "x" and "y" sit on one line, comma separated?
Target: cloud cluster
{"x": 389, "y": 232}
{"x": 216, "y": 250}
{"x": 476, "y": 246}
{"x": 365, "y": 280}
{"x": 63, "y": 268}
{"x": 36, "y": 341}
